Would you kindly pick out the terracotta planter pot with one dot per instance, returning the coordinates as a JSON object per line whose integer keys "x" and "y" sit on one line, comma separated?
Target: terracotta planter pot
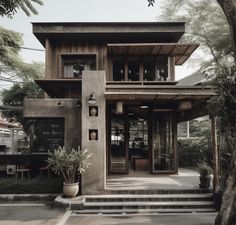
{"x": 93, "y": 135}
{"x": 70, "y": 190}
{"x": 205, "y": 182}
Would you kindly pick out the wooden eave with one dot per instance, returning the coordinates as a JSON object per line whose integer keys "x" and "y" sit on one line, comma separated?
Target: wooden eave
{"x": 110, "y": 32}
{"x": 158, "y": 92}
{"x": 56, "y": 88}
{"x": 180, "y": 51}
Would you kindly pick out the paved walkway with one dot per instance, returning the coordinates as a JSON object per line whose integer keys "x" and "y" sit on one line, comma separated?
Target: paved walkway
{"x": 38, "y": 214}
{"x": 184, "y": 219}
{"x": 185, "y": 179}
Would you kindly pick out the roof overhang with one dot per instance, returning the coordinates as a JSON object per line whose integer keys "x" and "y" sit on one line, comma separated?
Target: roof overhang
{"x": 58, "y": 88}
{"x": 180, "y": 51}
{"x": 111, "y": 32}
{"x": 165, "y": 96}
{"x": 161, "y": 92}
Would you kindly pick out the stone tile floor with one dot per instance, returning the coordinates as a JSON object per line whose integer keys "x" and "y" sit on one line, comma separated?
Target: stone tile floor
{"x": 185, "y": 179}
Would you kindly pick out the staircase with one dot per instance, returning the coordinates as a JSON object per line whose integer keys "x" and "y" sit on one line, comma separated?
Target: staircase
{"x": 146, "y": 201}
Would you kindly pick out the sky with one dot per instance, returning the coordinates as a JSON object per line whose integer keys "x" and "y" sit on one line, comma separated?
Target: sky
{"x": 84, "y": 11}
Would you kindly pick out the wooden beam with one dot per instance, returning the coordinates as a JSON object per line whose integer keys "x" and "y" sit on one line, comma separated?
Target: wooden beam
{"x": 215, "y": 154}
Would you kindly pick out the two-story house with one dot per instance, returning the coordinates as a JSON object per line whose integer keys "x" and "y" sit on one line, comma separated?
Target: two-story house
{"x": 110, "y": 87}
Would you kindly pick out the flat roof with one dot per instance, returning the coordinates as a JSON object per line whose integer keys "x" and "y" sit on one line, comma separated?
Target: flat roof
{"x": 113, "y": 32}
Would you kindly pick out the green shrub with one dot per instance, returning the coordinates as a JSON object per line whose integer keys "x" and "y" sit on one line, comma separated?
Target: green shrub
{"x": 38, "y": 185}
{"x": 204, "y": 169}
{"x": 193, "y": 151}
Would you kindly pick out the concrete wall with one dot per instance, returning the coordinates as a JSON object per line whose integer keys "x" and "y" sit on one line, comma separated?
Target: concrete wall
{"x": 94, "y": 178}
{"x": 49, "y": 108}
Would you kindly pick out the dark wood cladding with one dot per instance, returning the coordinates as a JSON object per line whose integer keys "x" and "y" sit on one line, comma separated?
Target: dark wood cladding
{"x": 55, "y": 50}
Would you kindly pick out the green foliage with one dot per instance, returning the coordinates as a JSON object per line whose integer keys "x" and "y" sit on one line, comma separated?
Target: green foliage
{"x": 193, "y": 151}
{"x": 200, "y": 128}
{"x": 15, "y": 97}
{"x": 224, "y": 107}
{"x": 9, "y": 7}
{"x": 13, "y": 68}
{"x": 204, "y": 169}
{"x": 38, "y": 185}
{"x": 206, "y": 24}
{"x": 69, "y": 162}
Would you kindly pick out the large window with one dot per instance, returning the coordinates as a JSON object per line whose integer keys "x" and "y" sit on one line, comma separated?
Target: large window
{"x": 133, "y": 71}
{"x": 147, "y": 69}
{"x": 118, "y": 70}
{"x": 73, "y": 65}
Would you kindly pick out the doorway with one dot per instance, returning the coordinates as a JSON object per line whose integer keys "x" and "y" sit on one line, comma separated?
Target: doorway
{"x": 141, "y": 140}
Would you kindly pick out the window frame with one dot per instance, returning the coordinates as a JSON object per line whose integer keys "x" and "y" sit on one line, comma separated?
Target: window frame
{"x": 74, "y": 54}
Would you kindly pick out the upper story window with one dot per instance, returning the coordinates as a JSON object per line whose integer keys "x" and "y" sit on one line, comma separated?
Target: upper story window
{"x": 73, "y": 65}
{"x": 133, "y": 71}
{"x": 118, "y": 70}
{"x": 148, "y": 69}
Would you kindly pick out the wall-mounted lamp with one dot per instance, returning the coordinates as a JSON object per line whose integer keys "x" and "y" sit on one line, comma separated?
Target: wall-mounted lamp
{"x": 184, "y": 105}
{"x": 59, "y": 103}
{"x": 92, "y": 98}
{"x": 77, "y": 103}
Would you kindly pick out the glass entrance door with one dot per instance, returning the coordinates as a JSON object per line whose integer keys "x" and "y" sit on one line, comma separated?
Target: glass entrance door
{"x": 118, "y": 153}
{"x": 163, "y": 154}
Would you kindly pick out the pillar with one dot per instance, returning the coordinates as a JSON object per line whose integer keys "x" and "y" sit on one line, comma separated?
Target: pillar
{"x": 94, "y": 179}
{"x": 215, "y": 154}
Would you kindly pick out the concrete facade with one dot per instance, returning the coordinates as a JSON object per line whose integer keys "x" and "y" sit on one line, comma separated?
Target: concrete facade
{"x": 94, "y": 178}
{"x": 49, "y": 108}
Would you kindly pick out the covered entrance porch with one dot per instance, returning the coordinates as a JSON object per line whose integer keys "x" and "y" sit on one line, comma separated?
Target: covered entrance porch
{"x": 142, "y": 135}
{"x": 140, "y": 180}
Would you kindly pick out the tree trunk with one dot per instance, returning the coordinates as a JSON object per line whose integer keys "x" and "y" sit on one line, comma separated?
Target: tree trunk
{"x": 227, "y": 215}
{"x": 229, "y": 8}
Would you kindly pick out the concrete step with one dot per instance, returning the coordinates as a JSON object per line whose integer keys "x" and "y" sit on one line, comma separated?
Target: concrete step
{"x": 146, "y": 201}
{"x": 149, "y": 198}
{"x": 144, "y": 211}
{"x": 114, "y": 205}
{"x": 158, "y": 191}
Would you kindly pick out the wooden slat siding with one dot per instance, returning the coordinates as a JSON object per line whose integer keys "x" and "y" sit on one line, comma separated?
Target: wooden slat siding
{"x": 48, "y": 59}
{"x": 75, "y": 47}
{"x": 172, "y": 68}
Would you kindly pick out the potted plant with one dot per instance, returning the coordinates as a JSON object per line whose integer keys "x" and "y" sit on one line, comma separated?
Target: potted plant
{"x": 70, "y": 163}
{"x": 205, "y": 178}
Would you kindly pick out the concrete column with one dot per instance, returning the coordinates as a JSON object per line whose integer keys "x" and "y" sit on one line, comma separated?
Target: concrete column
{"x": 215, "y": 154}
{"x": 93, "y": 180}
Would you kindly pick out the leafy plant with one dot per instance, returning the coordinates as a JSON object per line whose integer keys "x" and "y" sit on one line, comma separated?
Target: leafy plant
{"x": 204, "y": 170}
{"x": 69, "y": 162}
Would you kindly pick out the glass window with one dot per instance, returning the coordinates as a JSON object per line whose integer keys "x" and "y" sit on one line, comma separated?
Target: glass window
{"x": 118, "y": 71}
{"x": 118, "y": 162}
{"x": 149, "y": 71}
{"x": 74, "y": 65}
{"x": 133, "y": 71}
{"x": 163, "y": 153}
{"x": 162, "y": 69}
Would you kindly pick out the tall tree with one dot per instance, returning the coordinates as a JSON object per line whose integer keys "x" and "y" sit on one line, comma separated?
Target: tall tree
{"x": 229, "y": 9}
{"x": 9, "y": 7}
{"x": 12, "y": 67}
{"x": 215, "y": 47}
